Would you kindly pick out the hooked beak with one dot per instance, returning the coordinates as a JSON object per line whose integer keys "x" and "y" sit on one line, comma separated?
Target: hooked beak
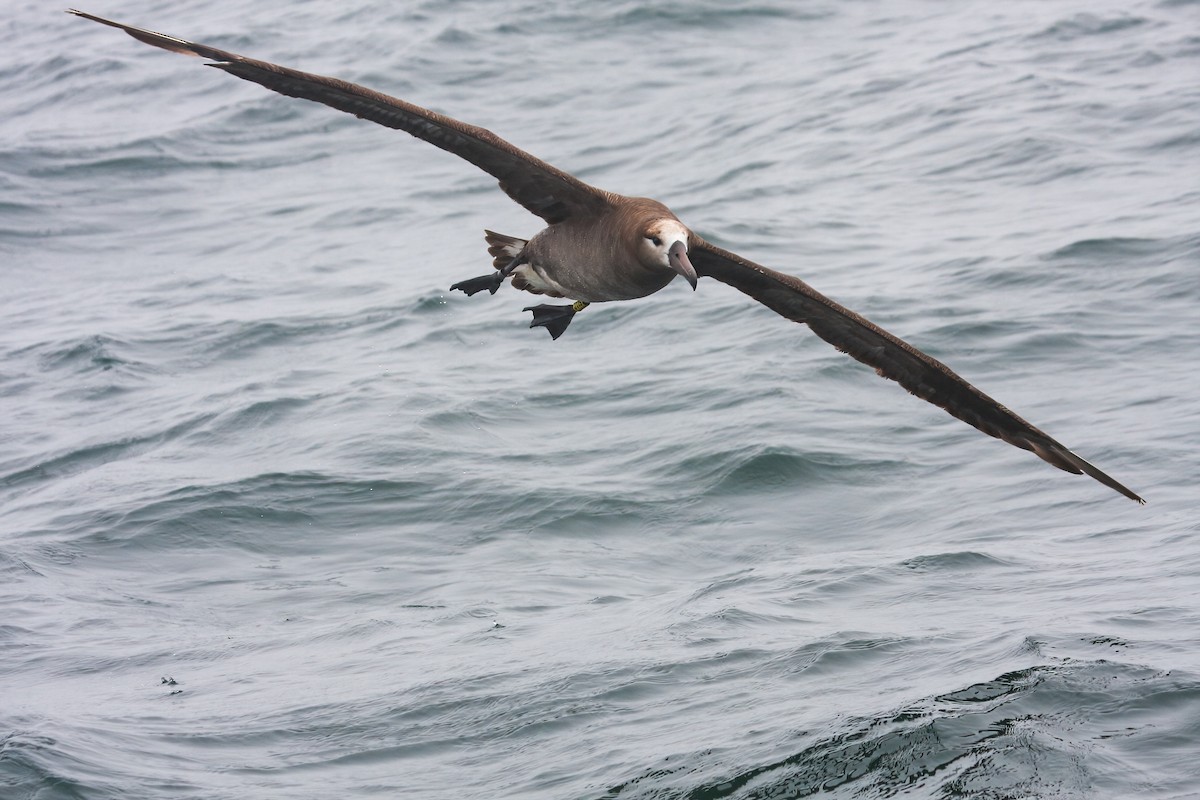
{"x": 677, "y": 258}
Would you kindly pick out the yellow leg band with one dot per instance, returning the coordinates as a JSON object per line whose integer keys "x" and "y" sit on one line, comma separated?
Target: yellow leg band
{"x": 579, "y": 305}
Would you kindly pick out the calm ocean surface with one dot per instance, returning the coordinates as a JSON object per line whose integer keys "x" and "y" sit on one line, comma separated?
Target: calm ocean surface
{"x": 280, "y": 517}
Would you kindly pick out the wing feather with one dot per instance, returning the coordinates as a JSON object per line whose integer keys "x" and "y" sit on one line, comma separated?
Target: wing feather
{"x": 891, "y": 356}
{"x": 542, "y": 189}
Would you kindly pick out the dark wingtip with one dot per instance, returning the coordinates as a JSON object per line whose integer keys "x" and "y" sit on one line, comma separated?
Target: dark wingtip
{"x": 171, "y": 43}
{"x": 1054, "y": 453}
{"x": 1109, "y": 482}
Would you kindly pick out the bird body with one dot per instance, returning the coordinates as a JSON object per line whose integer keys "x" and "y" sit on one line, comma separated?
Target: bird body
{"x": 602, "y": 247}
{"x": 605, "y": 256}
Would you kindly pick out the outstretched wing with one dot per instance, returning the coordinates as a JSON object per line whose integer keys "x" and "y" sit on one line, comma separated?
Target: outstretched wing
{"x": 892, "y": 357}
{"x": 548, "y": 192}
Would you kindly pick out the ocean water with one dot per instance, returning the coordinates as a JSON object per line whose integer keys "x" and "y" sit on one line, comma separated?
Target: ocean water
{"x": 282, "y": 517}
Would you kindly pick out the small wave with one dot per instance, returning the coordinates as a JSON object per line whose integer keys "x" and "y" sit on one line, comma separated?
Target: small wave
{"x": 90, "y": 355}
{"x": 255, "y": 511}
{"x": 1048, "y": 730}
{"x": 712, "y": 15}
{"x": 236, "y": 339}
{"x": 1108, "y": 248}
{"x": 1087, "y": 24}
{"x": 962, "y": 560}
{"x": 258, "y": 414}
{"x": 90, "y": 456}
{"x": 767, "y": 467}
{"x": 42, "y": 766}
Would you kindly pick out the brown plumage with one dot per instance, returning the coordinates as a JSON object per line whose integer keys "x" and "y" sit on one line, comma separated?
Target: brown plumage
{"x": 599, "y": 246}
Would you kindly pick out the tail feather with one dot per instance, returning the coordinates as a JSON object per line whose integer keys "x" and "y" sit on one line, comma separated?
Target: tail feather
{"x": 503, "y": 249}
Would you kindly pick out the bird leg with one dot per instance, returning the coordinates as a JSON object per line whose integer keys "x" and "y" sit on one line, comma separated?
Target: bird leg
{"x": 490, "y": 282}
{"x": 555, "y": 319}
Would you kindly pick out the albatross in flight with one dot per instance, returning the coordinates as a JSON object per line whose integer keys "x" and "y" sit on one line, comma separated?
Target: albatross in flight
{"x": 598, "y": 246}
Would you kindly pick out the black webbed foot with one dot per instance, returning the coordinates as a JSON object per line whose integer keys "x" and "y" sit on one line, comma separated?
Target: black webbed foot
{"x": 555, "y": 319}
{"x": 473, "y": 285}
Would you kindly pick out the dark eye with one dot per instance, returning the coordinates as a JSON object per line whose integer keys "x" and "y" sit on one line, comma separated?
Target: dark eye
{"x": 655, "y": 240}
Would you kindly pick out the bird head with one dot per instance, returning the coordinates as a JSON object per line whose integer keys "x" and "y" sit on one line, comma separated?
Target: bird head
{"x": 665, "y": 244}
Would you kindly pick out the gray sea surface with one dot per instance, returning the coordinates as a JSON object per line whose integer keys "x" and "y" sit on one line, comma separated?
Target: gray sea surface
{"x": 281, "y": 517}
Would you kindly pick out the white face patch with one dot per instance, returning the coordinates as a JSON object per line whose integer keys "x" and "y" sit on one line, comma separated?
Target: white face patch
{"x": 662, "y": 234}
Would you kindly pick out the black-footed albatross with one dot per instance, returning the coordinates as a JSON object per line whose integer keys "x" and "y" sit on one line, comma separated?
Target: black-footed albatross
{"x": 598, "y": 246}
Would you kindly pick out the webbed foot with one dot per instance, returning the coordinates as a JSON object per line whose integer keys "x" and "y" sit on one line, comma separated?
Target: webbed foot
{"x": 473, "y": 285}
{"x": 554, "y": 319}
